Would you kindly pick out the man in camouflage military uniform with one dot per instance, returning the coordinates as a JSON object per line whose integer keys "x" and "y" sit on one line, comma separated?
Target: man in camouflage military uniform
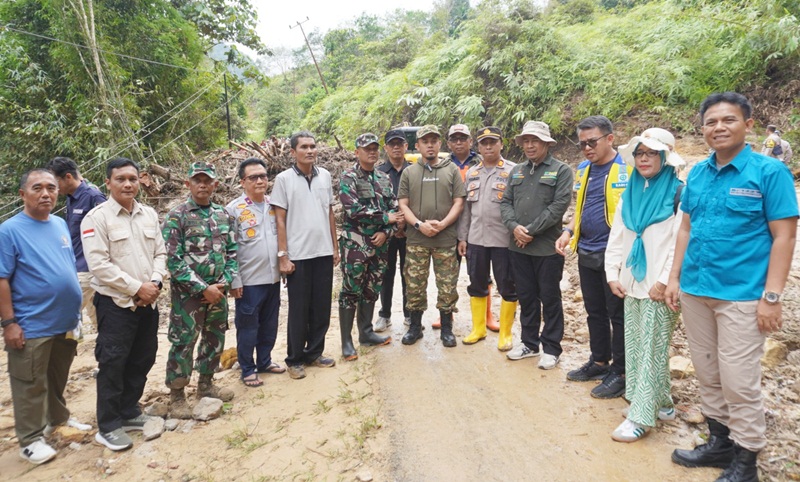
{"x": 431, "y": 196}
{"x": 201, "y": 258}
{"x": 370, "y": 211}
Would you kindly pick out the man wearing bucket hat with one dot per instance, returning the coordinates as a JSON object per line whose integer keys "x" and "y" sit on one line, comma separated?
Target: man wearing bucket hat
{"x": 201, "y": 259}
{"x": 369, "y": 216}
{"x": 431, "y": 197}
{"x": 537, "y": 196}
{"x": 602, "y": 178}
{"x": 483, "y": 238}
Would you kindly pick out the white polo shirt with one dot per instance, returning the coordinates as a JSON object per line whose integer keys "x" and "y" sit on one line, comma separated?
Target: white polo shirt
{"x": 307, "y": 204}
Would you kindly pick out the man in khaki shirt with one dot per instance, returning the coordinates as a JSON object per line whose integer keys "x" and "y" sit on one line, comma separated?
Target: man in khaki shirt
{"x": 126, "y": 255}
{"x": 483, "y": 238}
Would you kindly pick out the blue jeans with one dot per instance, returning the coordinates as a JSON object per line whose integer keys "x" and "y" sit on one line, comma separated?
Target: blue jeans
{"x": 256, "y": 323}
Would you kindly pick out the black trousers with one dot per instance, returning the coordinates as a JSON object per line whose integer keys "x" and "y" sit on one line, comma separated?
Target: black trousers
{"x": 479, "y": 259}
{"x": 537, "y": 280}
{"x": 605, "y": 318}
{"x": 309, "y": 317}
{"x": 397, "y": 250}
{"x": 125, "y": 351}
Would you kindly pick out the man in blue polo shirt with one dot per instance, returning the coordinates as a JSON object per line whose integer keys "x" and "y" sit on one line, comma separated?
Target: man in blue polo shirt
{"x": 82, "y": 196}
{"x": 39, "y": 303}
{"x": 732, "y": 258}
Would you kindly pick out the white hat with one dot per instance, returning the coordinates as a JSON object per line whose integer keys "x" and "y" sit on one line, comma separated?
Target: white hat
{"x": 458, "y": 129}
{"x": 657, "y": 139}
{"x": 536, "y": 129}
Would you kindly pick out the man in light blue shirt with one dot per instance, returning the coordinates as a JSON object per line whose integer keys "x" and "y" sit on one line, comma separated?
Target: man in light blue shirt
{"x": 732, "y": 258}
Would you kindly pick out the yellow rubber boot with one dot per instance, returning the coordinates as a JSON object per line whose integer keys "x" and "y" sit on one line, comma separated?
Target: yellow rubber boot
{"x": 505, "y": 340}
{"x": 478, "y": 333}
{"x": 491, "y": 323}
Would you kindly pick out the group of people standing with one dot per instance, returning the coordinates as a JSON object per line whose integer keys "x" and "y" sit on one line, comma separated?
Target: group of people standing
{"x": 718, "y": 247}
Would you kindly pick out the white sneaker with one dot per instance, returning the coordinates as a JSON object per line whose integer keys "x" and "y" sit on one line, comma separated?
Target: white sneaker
{"x": 521, "y": 351}
{"x": 382, "y": 324}
{"x": 116, "y": 440}
{"x": 664, "y": 414}
{"x": 629, "y": 431}
{"x": 547, "y": 361}
{"x": 72, "y": 422}
{"x": 38, "y": 452}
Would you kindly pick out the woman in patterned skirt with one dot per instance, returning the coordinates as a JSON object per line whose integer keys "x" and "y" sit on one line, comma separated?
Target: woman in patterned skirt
{"x": 638, "y": 261}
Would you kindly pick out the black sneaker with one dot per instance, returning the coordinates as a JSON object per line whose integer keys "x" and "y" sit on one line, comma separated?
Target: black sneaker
{"x": 589, "y": 371}
{"x": 613, "y": 386}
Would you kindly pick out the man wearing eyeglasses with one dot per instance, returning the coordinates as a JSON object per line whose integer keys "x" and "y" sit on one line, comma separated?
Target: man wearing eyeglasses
{"x": 601, "y": 179}
{"x": 201, "y": 259}
{"x": 307, "y": 252}
{"x": 395, "y": 145}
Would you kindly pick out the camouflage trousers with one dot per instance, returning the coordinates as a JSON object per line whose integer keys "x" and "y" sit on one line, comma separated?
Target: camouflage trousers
{"x": 417, "y": 269}
{"x": 189, "y": 320}
{"x": 362, "y": 272}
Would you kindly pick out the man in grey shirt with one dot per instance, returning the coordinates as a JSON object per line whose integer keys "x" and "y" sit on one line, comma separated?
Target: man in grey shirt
{"x": 256, "y": 288}
{"x": 538, "y": 194}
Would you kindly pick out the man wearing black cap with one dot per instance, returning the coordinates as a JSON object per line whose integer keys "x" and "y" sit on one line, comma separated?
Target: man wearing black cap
{"x": 395, "y": 145}
{"x": 369, "y": 214}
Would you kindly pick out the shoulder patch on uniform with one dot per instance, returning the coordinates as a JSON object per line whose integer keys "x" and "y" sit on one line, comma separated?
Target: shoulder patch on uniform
{"x": 87, "y": 233}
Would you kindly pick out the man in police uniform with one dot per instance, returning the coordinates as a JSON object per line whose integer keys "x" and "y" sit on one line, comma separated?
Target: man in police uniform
{"x": 772, "y": 144}
{"x": 201, "y": 259}
{"x": 483, "y": 238}
{"x": 369, "y": 213}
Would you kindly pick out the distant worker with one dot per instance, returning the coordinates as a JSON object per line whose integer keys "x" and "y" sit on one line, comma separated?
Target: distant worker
{"x": 127, "y": 258}
{"x": 538, "y": 194}
{"x": 39, "y": 305}
{"x": 431, "y": 197}
{"x": 201, "y": 259}
{"x": 81, "y": 196}
{"x": 307, "y": 252}
{"x": 732, "y": 258}
{"x": 787, "y": 151}
{"x": 369, "y": 215}
{"x": 257, "y": 286}
{"x": 483, "y": 238}
{"x": 772, "y": 144}
{"x": 395, "y": 145}
{"x": 601, "y": 179}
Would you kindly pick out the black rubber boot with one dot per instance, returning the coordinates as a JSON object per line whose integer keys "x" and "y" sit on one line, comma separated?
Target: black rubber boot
{"x": 743, "y": 468}
{"x": 346, "y": 316}
{"x": 366, "y": 335}
{"x": 414, "y": 332}
{"x": 718, "y": 452}
{"x": 448, "y": 339}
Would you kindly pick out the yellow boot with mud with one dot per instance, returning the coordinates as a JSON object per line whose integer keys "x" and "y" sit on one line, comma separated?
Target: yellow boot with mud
{"x": 478, "y": 333}
{"x": 491, "y": 323}
{"x": 507, "y": 311}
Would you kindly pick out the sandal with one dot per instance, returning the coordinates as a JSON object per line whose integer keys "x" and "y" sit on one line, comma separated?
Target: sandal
{"x": 273, "y": 368}
{"x": 252, "y": 381}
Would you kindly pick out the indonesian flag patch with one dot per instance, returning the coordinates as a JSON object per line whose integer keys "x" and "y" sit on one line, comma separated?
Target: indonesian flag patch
{"x": 87, "y": 233}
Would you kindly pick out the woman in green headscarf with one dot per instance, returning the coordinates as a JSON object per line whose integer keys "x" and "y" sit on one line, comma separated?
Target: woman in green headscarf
{"x": 638, "y": 261}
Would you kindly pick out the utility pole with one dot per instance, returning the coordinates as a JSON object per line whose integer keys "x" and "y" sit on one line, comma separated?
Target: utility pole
{"x": 300, "y": 24}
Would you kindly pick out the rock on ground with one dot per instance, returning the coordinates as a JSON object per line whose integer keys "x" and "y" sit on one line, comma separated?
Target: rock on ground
{"x": 157, "y": 409}
{"x": 207, "y": 409}
{"x": 171, "y": 424}
{"x": 774, "y": 353}
{"x": 153, "y": 428}
{"x": 680, "y": 367}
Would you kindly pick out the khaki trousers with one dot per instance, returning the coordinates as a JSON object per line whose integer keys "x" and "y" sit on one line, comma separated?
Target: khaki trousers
{"x": 89, "y": 321}
{"x": 726, "y": 347}
{"x": 38, "y": 375}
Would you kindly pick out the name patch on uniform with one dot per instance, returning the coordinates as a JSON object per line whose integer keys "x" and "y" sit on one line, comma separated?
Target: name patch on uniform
{"x": 518, "y": 175}
{"x": 619, "y": 185}
{"x": 550, "y": 175}
{"x": 77, "y": 211}
{"x": 88, "y": 233}
{"x": 738, "y": 191}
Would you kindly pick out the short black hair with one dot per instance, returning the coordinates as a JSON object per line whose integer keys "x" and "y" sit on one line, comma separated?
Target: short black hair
{"x": 24, "y": 179}
{"x": 772, "y": 128}
{"x": 249, "y": 162}
{"x": 119, "y": 162}
{"x": 596, "y": 121}
{"x": 296, "y": 138}
{"x": 734, "y": 98}
{"x": 61, "y": 166}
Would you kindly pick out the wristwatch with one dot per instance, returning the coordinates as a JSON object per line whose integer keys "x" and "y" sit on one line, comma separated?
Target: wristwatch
{"x": 10, "y": 321}
{"x": 281, "y": 254}
{"x": 158, "y": 283}
{"x": 567, "y": 230}
{"x": 771, "y": 297}
{"x": 417, "y": 225}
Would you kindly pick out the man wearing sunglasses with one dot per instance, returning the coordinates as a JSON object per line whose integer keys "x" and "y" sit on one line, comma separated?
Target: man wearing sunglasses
{"x": 601, "y": 179}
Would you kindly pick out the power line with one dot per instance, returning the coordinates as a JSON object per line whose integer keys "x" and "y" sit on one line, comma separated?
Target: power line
{"x": 131, "y": 57}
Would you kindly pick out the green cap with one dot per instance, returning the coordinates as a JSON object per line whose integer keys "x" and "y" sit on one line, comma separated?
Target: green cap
{"x": 202, "y": 168}
{"x": 366, "y": 139}
{"x": 426, "y": 130}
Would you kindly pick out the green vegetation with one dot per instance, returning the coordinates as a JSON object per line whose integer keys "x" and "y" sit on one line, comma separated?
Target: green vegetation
{"x": 506, "y": 62}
